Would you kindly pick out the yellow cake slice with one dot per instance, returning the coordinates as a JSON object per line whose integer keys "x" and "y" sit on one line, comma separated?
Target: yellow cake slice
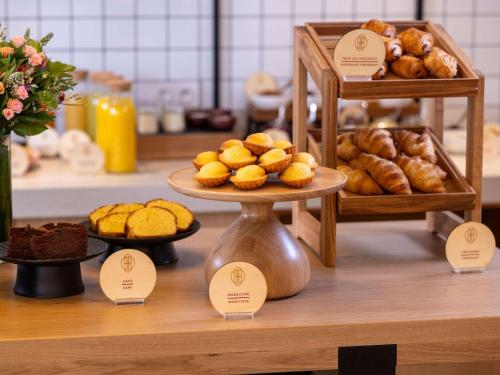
{"x": 126, "y": 207}
{"x": 184, "y": 217}
{"x": 99, "y": 213}
{"x": 151, "y": 222}
{"x": 112, "y": 225}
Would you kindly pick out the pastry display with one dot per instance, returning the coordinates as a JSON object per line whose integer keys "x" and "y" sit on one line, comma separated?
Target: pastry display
{"x": 358, "y": 181}
{"x": 380, "y": 27}
{"x": 441, "y": 64}
{"x": 258, "y": 143}
{"x": 409, "y": 67}
{"x": 393, "y": 48}
{"x": 151, "y": 222}
{"x": 297, "y": 175}
{"x": 50, "y": 241}
{"x": 237, "y": 157}
{"x": 213, "y": 174}
{"x": 375, "y": 141}
{"x": 204, "y": 158}
{"x": 275, "y": 160}
{"x": 306, "y": 158}
{"x": 416, "y": 42}
{"x": 249, "y": 177}
{"x": 182, "y": 214}
{"x": 414, "y": 144}
{"x": 346, "y": 150}
{"x": 230, "y": 143}
{"x": 285, "y": 145}
{"x": 421, "y": 174}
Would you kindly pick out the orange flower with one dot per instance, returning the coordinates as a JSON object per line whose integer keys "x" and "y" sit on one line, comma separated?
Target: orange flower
{"x": 2, "y": 88}
{"x": 6, "y": 51}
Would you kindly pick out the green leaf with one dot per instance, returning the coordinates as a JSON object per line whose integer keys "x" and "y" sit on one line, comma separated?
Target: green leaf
{"x": 29, "y": 128}
{"x": 46, "y": 39}
{"x": 27, "y": 34}
{"x": 47, "y": 99}
{"x": 57, "y": 67}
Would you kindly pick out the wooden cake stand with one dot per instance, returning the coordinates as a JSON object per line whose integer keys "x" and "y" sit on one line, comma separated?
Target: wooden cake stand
{"x": 257, "y": 236}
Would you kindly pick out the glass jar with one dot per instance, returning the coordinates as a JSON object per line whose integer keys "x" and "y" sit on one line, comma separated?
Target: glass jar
{"x": 96, "y": 89}
{"x": 75, "y": 106}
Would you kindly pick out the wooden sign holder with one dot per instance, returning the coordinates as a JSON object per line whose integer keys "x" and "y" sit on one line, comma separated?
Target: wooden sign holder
{"x": 312, "y": 55}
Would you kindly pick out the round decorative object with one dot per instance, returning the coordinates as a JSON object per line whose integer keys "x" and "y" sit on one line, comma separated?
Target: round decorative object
{"x": 86, "y": 158}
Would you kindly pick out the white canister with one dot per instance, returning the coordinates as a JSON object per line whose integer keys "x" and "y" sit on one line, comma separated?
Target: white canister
{"x": 173, "y": 120}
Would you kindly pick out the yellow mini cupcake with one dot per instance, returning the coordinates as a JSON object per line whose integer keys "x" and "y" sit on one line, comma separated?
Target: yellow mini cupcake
{"x": 284, "y": 145}
{"x": 212, "y": 174}
{"x": 204, "y": 158}
{"x": 275, "y": 160}
{"x": 306, "y": 158}
{"x": 237, "y": 157}
{"x": 297, "y": 175}
{"x": 230, "y": 143}
{"x": 259, "y": 143}
{"x": 249, "y": 177}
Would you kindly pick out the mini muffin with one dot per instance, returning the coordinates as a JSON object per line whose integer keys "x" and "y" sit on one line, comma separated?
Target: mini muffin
{"x": 212, "y": 174}
{"x": 230, "y": 143}
{"x": 306, "y": 158}
{"x": 237, "y": 157}
{"x": 284, "y": 145}
{"x": 204, "y": 158}
{"x": 259, "y": 143}
{"x": 249, "y": 177}
{"x": 275, "y": 160}
{"x": 297, "y": 175}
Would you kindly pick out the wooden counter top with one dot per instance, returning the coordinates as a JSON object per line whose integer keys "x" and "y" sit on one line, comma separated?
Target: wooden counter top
{"x": 387, "y": 289}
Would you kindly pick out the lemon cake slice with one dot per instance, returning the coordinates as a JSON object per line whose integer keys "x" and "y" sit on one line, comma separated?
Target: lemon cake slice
{"x": 151, "y": 222}
{"x": 184, "y": 217}
{"x": 112, "y": 225}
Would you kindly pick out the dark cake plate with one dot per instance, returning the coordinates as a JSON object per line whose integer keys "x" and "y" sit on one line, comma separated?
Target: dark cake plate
{"x": 51, "y": 278}
{"x": 161, "y": 250}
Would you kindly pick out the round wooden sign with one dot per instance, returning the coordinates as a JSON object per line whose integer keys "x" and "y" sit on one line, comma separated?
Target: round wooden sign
{"x": 359, "y": 53}
{"x": 127, "y": 276}
{"x": 86, "y": 158}
{"x": 237, "y": 288}
{"x": 470, "y": 246}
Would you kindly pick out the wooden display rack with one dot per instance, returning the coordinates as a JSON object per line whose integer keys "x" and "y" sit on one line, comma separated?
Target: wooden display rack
{"x": 313, "y": 47}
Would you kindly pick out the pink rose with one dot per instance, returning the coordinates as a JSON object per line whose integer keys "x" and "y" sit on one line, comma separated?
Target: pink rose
{"x": 18, "y": 41}
{"x": 15, "y": 105}
{"x": 8, "y": 113}
{"x": 21, "y": 92}
{"x": 2, "y": 88}
{"x": 29, "y": 51}
{"x": 35, "y": 59}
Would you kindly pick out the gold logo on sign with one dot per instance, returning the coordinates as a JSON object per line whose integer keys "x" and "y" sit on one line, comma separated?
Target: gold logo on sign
{"x": 360, "y": 42}
{"x": 128, "y": 263}
{"x": 237, "y": 276}
{"x": 470, "y": 235}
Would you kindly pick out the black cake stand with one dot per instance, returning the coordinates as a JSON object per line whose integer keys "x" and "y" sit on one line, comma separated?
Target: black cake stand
{"x": 51, "y": 278}
{"x": 161, "y": 250}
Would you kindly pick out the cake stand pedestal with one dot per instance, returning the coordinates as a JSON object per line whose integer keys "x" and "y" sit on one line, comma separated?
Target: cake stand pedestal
{"x": 257, "y": 236}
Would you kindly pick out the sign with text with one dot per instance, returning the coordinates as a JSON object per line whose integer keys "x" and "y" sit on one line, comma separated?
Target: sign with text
{"x": 470, "y": 247}
{"x": 127, "y": 276}
{"x": 359, "y": 53}
{"x": 237, "y": 290}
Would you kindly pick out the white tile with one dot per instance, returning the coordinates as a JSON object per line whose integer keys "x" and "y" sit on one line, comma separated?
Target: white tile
{"x": 152, "y": 7}
{"x": 183, "y": 65}
{"x": 206, "y": 32}
{"x": 278, "y": 62}
{"x": 277, "y": 32}
{"x": 119, "y": 7}
{"x": 120, "y": 63}
{"x": 459, "y": 6}
{"x": 225, "y": 95}
{"x": 246, "y": 32}
{"x": 401, "y": 6}
{"x": 308, "y": 7}
{"x": 433, "y": 7}
{"x": 277, "y": 7}
{"x": 238, "y": 96}
{"x": 60, "y": 28}
{"x": 491, "y": 114}
{"x": 60, "y": 56}
{"x": 224, "y": 32}
{"x": 336, "y": 17}
{"x": 369, "y": 7}
{"x": 460, "y": 28}
{"x": 487, "y": 30}
{"x": 245, "y": 7}
{"x": 25, "y": 8}
{"x": 151, "y": 33}
{"x": 207, "y": 64}
{"x": 183, "y": 32}
{"x": 206, "y": 8}
{"x": 339, "y": 6}
{"x": 19, "y": 28}
{"x": 302, "y": 20}
{"x": 224, "y": 58}
{"x": 225, "y": 7}
{"x": 54, "y": 7}
{"x": 487, "y": 6}
{"x": 244, "y": 63}
{"x": 119, "y": 33}
{"x": 184, "y": 7}
{"x": 492, "y": 90}
{"x": 148, "y": 93}
{"x": 487, "y": 60}
{"x": 87, "y": 33}
{"x": 87, "y": 7}
{"x": 207, "y": 89}
{"x": 152, "y": 65}
{"x": 88, "y": 60}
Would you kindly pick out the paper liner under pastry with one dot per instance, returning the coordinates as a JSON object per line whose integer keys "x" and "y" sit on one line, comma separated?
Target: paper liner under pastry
{"x": 249, "y": 185}
{"x": 212, "y": 181}
{"x": 298, "y": 183}
{"x": 277, "y": 166}
{"x": 237, "y": 164}
{"x": 257, "y": 149}
{"x": 197, "y": 165}
{"x": 289, "y": 150}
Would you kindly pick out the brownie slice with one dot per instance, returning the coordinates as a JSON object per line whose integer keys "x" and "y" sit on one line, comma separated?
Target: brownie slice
{"x": 62, "y": 241}
{"x": 20, "y": 241}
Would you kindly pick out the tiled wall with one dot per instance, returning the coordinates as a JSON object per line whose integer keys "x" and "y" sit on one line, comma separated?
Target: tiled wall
{"x": 160, "y": 43}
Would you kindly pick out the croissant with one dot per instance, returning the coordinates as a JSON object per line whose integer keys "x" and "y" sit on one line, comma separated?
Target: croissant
{"x": 415, "y": 144}
{"x": 380, "y": 27}
{"x": 381, "y": 72}
{"x": 393, "y": 48}
{"x": 375, "y": 141}
{"x": 440, "y": 172}
{"x": 386, "y": 173}
{"x": 421, "y": 174}
{"x": 359, "y": 182}
{"x": 416, "y": 42}
{"x": 441, "y": 64}
{"x": 409, "y": 67}
{"x": 346, "y": 150}
{"x": 357, "y": 164}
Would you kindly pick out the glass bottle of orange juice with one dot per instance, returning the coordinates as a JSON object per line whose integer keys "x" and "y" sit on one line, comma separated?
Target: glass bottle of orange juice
{"x": 96, "y": 90}
{"x": 75, "y": 109}
{"x": 116, "y": 127}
